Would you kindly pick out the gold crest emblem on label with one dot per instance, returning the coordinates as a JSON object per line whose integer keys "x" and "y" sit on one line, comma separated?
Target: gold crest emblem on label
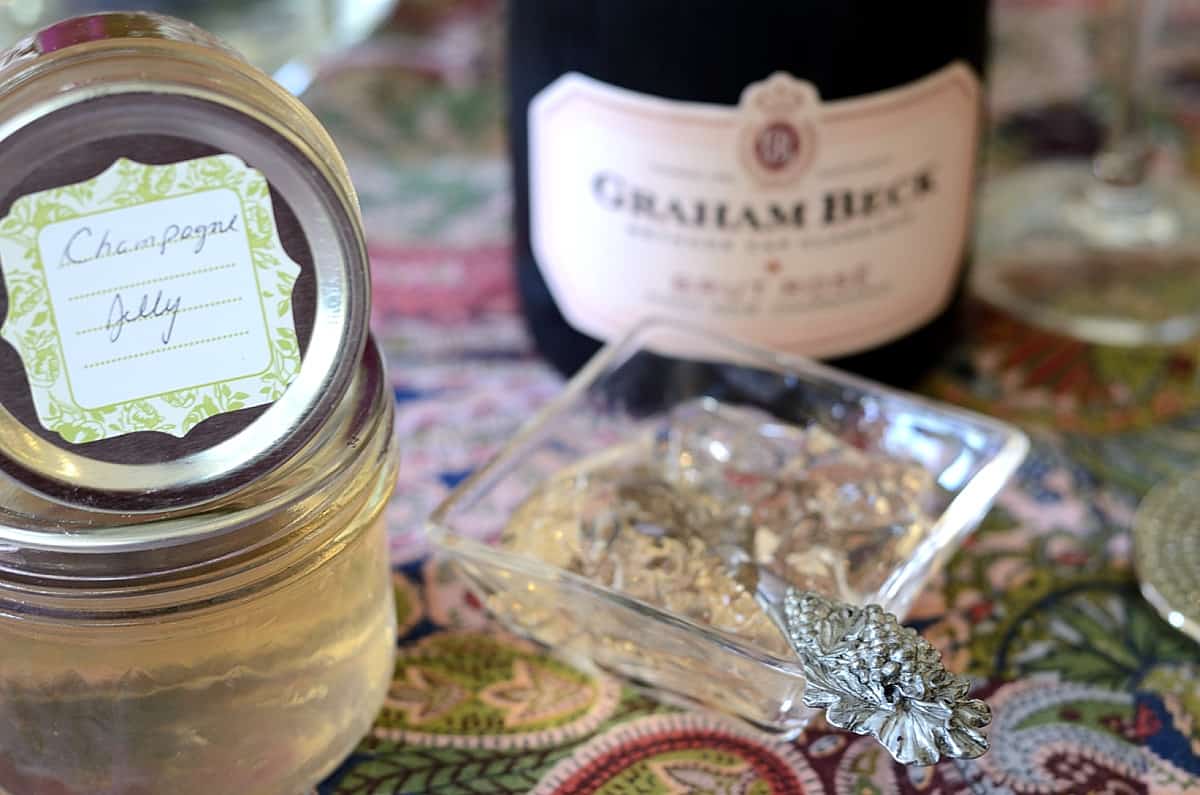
{"x": 778, "y": 141}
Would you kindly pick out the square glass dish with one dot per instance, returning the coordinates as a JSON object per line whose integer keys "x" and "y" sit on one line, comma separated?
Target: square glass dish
{"x": 632, "y": 398}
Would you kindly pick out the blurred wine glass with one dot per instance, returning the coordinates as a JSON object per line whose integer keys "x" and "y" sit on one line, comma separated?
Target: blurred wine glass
{"x": 1101, "y": 249}
{"x": 285, "y": 38}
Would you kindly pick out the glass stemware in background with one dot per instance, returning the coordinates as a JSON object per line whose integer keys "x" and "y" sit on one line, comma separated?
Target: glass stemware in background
{"x": 285, "y": 38}
{"x": 1166, "y": 538}
{"x": 1101, "y": 249}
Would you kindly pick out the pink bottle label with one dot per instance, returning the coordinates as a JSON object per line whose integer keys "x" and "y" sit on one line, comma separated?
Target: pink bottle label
{"x": 808, "y": 227}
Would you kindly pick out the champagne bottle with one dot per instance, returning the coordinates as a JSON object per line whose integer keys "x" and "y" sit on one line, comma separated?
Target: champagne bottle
{"x": 796, "y": 173}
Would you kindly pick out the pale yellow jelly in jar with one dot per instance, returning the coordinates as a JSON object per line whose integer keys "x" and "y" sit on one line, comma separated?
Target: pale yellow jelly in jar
{"x": 248, "y": 662}
{"x": 196, "y": 441}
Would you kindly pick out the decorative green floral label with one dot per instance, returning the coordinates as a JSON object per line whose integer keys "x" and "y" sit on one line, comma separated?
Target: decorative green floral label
{"x": 149, "y": 298}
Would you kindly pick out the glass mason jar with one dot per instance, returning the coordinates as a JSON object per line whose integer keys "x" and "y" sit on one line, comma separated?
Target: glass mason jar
{"x": 208, "y": 607}
{"x": 250, "y": 643}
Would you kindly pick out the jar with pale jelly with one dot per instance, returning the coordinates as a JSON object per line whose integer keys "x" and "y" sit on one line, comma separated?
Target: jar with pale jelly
{"x": 196, "y": 441}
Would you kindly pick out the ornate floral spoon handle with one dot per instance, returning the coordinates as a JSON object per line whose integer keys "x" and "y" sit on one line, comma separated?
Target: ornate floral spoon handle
{"x": 873, "y": 676}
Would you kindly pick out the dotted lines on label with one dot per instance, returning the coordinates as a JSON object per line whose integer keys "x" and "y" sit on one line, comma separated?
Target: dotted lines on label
{"x": 167, "y": 349}
{"x": 173, "y": 276}
{"x": 196, "y": 308}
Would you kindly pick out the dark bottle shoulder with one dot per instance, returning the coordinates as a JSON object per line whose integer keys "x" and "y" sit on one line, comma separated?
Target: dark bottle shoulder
{"x": 711, "y": 51}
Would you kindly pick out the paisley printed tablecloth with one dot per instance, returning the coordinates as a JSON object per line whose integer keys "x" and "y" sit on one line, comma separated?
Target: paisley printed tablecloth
{"x": 1091, "y": 691}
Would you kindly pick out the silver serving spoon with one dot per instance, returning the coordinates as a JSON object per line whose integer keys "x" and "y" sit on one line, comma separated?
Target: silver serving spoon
{"x": 873, "y": 676}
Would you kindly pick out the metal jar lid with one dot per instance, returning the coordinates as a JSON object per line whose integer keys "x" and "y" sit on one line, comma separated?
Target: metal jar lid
{"x": 184, "y": 286}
